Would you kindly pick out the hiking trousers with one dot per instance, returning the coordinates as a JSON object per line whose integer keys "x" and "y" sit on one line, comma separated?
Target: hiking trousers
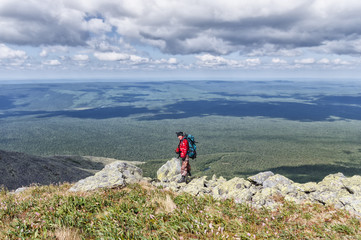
{"x": 186, "y": 167}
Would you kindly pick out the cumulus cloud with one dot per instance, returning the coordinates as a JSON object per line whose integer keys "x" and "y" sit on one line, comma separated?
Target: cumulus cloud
{"x": 8, "y": 53}
{"x": 305, "y": 61}
{"x": 339, "y": 61}
{"x": 137, "y": 59}
{"x": 188, "y": 27}
{"x": 324, "y": 61}
{"x": 172, "y": 61}
{"x": 97, "y": 25}
{"x": 53, "y": 62}
{"x": 278, "y": 61}
{"x": 219, "y": 27}
{"x": 208, "y": 60}
{"x": 115, "y": 56}
{"x": 81, "y": 57}
{"x": 348, "y": 46}
{"x": 273, "y": 50}
{"x": 43, "y": 53}
{"x": 111, "y": 56}
{"x": 253, "y": 61}
{"x": 156, "y": 33}
{"x": 41, "y": 22}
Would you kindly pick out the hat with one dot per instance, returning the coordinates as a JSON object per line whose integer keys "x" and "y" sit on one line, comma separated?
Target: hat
{"x": 179, "y": 134}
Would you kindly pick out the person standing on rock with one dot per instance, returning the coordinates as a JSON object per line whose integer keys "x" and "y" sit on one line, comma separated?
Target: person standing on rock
{"x": 182, "y": 151}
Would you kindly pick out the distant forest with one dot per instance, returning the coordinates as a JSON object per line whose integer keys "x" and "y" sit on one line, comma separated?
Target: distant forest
{"x": 303, "y": 130}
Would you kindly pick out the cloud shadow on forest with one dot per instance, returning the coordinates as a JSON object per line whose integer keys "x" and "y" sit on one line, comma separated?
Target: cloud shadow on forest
{"x": 309, "y": 173}
{"x": 324, "y": 108}
{"x": 100, "y": 113}
{"x": 6, "y": 103}
{"x": 315, "y": 111}
{"x": 94, "y": 113}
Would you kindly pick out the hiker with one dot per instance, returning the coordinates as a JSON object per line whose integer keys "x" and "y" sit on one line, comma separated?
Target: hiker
{"x": 182, "y": 151}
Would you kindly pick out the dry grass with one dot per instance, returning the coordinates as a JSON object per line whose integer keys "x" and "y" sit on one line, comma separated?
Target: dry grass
{"x": 165, "y": 205}
{"x": 67, "y": 234}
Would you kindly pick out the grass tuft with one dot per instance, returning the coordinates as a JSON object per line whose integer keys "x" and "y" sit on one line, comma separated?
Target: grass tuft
{"x": 67, "y": 234}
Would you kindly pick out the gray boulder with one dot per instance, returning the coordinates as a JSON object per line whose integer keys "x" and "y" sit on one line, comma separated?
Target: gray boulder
{"x": 353, "y": 185}
{"x": 197, "y": 187}
{"x": 237, "y": 188}
{"x": 276, "y": 180}
{"x": 330, "y": 190}
{"x": 170, "y": 171}
{"x": 259, "y": 178}
{"x": 265, "y": 197}
{"x": 116, "y": 174}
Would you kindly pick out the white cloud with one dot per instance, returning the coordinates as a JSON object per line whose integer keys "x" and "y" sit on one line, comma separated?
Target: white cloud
{"x": 219, "y": 27}
{"x": 115, "y": 56}
{"x": 53, "y": 50}
{"x": 103, "y": 45}
{"x": 8, "y": 53}
{"x": 53, "y": 62}
{"x": 97, "y": 25}
{"x": 172, "y": 61}
{"x": 203, "y": 42}
{"x": 131, "y": 31}
{"x": 253, "y": 61}
{"x": 111, "y": 56}
{"x": 272, "y": 50}
{"x": 41, "y": 23}
{"x": 43, "y": 53}
{"x": 137, "y": 59}
{"x": 305, "y": 61}
{"x": 81, "y": 57}
{"x": 348, "y": 46}
{"x": 278, "y": 61}
{"x": 339, "y": 61}
{"x": 324, "y": 61}
{"x": 186, "y": 27}
{"x": 208, "y": 60}
{"x": 17, "y": 62}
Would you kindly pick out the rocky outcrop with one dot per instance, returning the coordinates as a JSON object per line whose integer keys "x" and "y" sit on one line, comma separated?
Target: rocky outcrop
{"x": 263, "y": 189}
{"x": 116, "y": 174}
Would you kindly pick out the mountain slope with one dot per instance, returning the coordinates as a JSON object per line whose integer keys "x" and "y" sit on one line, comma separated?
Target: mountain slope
{"x": 19, "y": 169}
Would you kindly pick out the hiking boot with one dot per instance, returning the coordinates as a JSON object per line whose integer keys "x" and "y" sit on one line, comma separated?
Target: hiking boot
{"x": 182, "y": 180}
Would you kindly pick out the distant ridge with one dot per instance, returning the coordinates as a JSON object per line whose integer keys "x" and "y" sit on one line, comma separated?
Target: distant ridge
{"x": 20, "y": 169}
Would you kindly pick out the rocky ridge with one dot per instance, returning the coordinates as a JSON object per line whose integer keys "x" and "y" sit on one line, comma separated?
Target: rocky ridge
{"x": 261, "y": 190}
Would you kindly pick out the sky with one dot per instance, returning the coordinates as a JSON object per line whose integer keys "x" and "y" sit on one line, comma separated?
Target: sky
{"x": 180, "y": 39}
